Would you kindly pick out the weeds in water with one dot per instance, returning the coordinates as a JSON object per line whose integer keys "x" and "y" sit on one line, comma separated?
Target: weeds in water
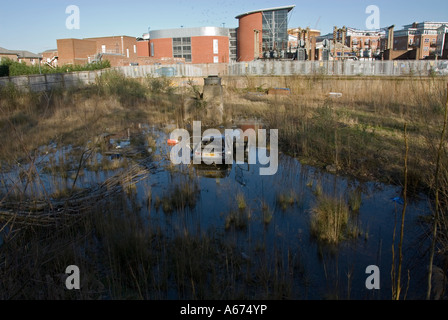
{"x": 241, "y": 201}
{"x": 267, "y": 213}
{"x": 286, "y": 200}
{"x": 355, "y": 200}
{"x": 124, "y": 258}
{"x": 329, "y": 219}
{"x": 182, "y": 196}
{"x": 318, "y": 189}
{"x": 239, "y": 219}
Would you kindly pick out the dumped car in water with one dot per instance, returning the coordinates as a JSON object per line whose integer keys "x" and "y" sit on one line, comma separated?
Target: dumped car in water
{"x": 212, "y": 150}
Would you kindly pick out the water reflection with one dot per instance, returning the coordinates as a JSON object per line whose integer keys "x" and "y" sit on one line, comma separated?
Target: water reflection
{"x": 321, "y": 270}
{"x": 265, "y": 219}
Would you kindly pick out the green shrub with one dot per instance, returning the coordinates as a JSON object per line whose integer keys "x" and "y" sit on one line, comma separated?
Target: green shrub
{"x": 9, "y": 67}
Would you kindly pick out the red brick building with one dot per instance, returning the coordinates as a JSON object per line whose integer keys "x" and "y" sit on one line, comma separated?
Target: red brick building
{"x": 418, "y": 37}
{"x": 143, "y": 48}
{"x": 50, "y": 57}
{"x": 83, "y": 51}
{"x": 194, "y": 45}
{"x": 22, "y": 56}
{"x": 263, "y": 33}
{"x": 364, "y": 43}
{"x": 75, "y": 51}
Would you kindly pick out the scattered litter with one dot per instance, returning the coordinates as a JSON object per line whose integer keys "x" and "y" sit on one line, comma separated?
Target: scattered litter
{"x": 172, "y": 142}
{"x": 335, "y": 94}
{"x": 120, "y": 144}
{"x": 398, "y": 200}
{"x": 259, "y": 94}
{"x": 279, "y": 91}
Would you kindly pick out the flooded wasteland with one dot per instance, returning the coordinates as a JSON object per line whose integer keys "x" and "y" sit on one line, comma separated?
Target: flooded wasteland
{"x": 263, "y": 239}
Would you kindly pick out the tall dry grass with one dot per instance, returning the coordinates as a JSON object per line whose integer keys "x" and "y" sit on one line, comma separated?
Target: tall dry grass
{"x": 361, "y": 133}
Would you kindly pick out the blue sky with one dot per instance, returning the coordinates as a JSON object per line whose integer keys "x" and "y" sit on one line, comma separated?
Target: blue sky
{"x": 35, "y": 25}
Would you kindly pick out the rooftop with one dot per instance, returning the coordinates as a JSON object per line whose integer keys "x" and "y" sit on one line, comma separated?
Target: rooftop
{"x": 289, "y": 8}
{"x": 425, "y": 25}
{"x": 189, "y": 32}
{"x": 6, "y": 51}
{"x": 20, "y": 53}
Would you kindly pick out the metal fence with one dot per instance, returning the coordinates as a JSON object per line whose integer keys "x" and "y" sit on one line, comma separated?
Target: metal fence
{"x": 46, "y": 82}
{"x": 177, "y": 70}
{"x": 338, "y": 68}
{"x": 255, "y": 68}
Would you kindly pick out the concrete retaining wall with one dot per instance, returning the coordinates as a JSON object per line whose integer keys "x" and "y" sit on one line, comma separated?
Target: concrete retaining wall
{"x": 254, "y": 68}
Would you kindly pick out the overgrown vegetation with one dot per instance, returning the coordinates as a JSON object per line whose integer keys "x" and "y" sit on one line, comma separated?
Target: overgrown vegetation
{"x": 330, "y": 221}
{"x": 73, "y": 116}
{"x": 12, "y": 68}
{"x": 360, "y": 134}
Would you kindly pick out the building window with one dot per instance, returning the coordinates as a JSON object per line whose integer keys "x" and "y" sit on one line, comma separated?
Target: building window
{"x": 215, "y": 46}
{"x": 103, "y": 48}
{"x": 275, "y": 30}
{"x": 182, "y": 48}
{"x": 152, "y": 49}
{"x": 135, "y": 48}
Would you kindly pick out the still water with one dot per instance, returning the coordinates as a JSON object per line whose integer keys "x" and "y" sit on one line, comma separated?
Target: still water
{"x": 327, "y": 271}
{"x": 214, "y": 193}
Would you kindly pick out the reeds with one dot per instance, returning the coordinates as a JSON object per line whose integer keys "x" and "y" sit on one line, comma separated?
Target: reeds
{"x": 286, "y": 199}
{"x": 358, "y": 133}
{"x": 330, "y": 219}
{"x": 125, "y": 256}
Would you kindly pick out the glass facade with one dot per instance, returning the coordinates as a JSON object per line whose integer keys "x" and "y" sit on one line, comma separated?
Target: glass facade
{"x": 233, "y": 44}
{"x": 275, "y": 30}
{"x": 182, "y": 48}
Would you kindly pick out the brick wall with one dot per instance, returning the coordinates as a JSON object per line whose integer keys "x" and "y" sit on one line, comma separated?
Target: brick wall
{"x": 202, "y": 49}
{"x": 143, "y": 48}
{"x": 124, "y": 45}
{"x": 425, "y": 44}
{"x": 246, "y": 38}
{"x": 9, "y": 56}
{"x": 75, "y": 51}
{"x": 163, "y": 48}
{"x": 48, "y": 56}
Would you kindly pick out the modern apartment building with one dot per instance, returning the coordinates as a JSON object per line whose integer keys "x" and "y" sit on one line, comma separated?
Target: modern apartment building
{"x": 421, "y": 37}
{"x": 363, "y": 44}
